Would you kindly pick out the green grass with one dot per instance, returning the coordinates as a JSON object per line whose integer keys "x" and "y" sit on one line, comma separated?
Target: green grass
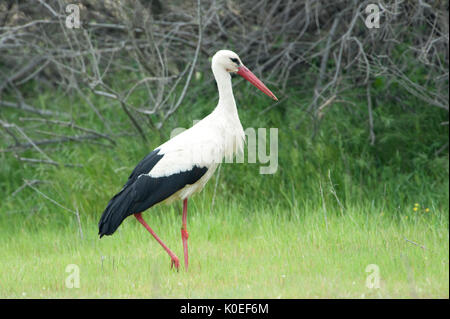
{"x": 335, "y": 206}
{"x": 234, "y": 253}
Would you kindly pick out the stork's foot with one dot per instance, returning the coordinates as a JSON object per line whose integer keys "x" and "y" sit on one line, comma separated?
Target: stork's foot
{"x": 175, "y": 262}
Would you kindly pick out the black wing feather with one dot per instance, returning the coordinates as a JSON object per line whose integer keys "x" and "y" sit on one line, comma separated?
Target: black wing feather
{"x": 142, "y": 192}
{"x": 148, "y": 191}
{"x": 145, "y": 166}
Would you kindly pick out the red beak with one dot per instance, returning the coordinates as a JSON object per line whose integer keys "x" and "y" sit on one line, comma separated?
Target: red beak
{"x": 249, "y": 76}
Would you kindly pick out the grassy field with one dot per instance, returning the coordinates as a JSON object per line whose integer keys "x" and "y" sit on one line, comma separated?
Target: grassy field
{"x": 335, "y": 206}
{"x": 234, "y": 253}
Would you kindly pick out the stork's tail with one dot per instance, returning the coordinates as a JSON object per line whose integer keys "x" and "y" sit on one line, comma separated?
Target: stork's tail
{"x": 117, "y": 210}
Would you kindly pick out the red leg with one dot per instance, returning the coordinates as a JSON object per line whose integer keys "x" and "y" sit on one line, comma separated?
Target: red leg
{"x": 174, "y": 258}
{"x": 185, "y": 234}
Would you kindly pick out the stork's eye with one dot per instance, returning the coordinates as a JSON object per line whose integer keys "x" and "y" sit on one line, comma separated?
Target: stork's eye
{"x": 235, "y": 60}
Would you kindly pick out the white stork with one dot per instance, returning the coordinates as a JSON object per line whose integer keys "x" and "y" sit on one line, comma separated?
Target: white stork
{"x": 181, "y": 166}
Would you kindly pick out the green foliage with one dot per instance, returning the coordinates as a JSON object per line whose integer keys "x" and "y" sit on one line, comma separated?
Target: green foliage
{"x": 336, "y": 202}
{"x": 402, "y": 166}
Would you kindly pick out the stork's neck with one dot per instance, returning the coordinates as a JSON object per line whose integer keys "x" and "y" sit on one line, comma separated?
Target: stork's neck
{"x": 226, "y": 97}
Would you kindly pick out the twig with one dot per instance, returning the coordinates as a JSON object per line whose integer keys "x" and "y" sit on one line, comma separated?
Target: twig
{"x": 123, "y": 104}
{"x": 76, "y": 213}
{"x": 42, "y": 161}
{"x": 31, "y": 142}
{"x": 51, "y": 141}
{"x": 79, "y": 223}
{"x": 28, "y": 108}
{"x": 333, "y": 191}
{"x": 324, "y": 206}
{"x": 441, "y": 149}
{"x": 324, "y": 105}
{"x": 48, "y": 198}
{"x": 194, "y": 62}
{"x": 71, "y": 125}
{"x": 411, "y": 242}
{"x": 25, "y": 184}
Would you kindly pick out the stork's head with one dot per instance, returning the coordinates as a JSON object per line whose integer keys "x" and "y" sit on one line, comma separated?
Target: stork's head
{"x": 230, "y": 62}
